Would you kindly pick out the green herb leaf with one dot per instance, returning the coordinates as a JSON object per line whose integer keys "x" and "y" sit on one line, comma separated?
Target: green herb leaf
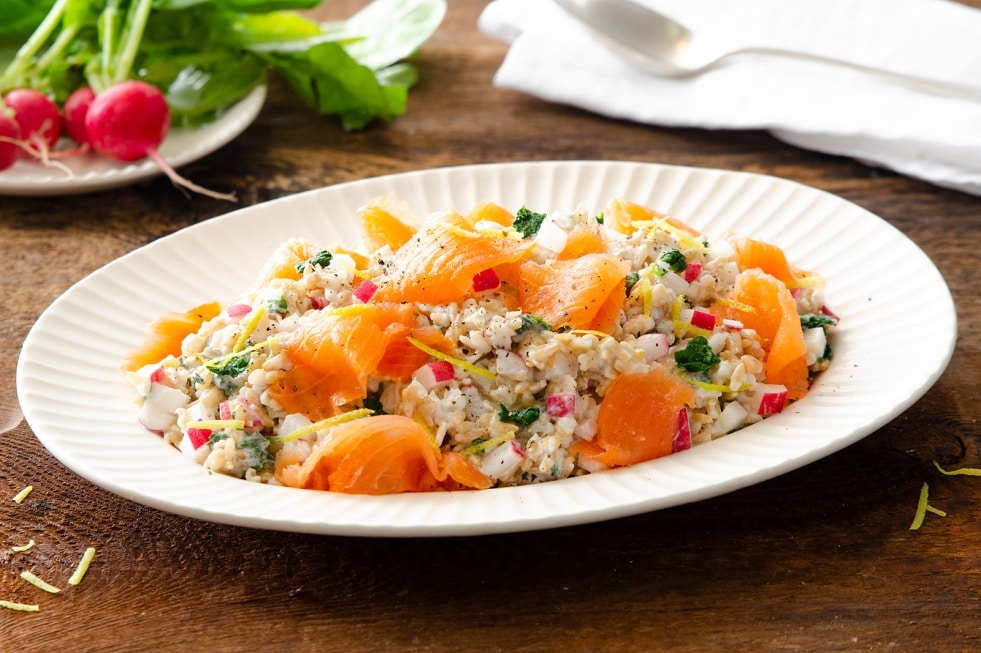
{"x": 531, "y": 322}
{"x": 256, "y": 447}
{"x": 320, "y": 259}
{"x": 527, "y": 222}
{"x": 230, "y": 366}
{"x": 673, "y": 260}
{"x": 813, "y": 321}
{"x": 522, "y": 417}
{"x": 697, "y": 356}
{"x": 632, "y": 278}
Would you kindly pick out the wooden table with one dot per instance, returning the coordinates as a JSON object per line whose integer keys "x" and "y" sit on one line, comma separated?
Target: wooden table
{"x": 819, "y": 559}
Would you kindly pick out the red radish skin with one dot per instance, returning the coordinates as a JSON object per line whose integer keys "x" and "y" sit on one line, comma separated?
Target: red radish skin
{"x": 128, "y": 121}
{"x": 365, "y": 290}
{"x": 38, "y": 118}
{"x": 75, "y": 109}
{"x": 486, "y": 280}
{"x": 682, "y": 439}
{"x": 10, "y": 147}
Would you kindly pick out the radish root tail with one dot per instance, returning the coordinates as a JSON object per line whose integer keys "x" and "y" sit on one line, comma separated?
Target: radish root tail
{"x": 187, "y": 183}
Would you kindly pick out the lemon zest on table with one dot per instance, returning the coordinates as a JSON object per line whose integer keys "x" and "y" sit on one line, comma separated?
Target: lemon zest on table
{"x": 23, "y": 607}
{"x": 83, "y": 566}
{"x": 20, "y": 496}
{"x": 923, "y": 507}
{"x": 963, "y": 471}
{"x": 435, "y": 353}
{"x": 327, "y": 423}
{"x": 23, "y": 547}
{"x": 37, "y": 582}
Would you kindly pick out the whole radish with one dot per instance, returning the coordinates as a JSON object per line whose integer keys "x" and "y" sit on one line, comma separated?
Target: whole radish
{"x": 38, "y": 118}
{"x": 9, "y": 140}
{"x": 75, "y": 109}
{"x": 128, "y": 121}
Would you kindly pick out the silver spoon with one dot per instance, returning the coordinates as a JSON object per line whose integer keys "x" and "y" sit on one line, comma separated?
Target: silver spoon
{"x": 662, "y": 46}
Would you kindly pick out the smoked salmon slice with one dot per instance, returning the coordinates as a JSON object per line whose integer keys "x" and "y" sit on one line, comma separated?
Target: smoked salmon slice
{"x": 168, "y": 333}
{"x": 438, "y": 264}
{"x": 574, "y": 293}
{"x": 381, "y": 454}
{"x": 638, "y": 418}
{"x": 763, "y": 302}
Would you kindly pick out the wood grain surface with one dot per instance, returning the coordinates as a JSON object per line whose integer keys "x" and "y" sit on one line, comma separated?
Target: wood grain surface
{"x": 820, "y": 559}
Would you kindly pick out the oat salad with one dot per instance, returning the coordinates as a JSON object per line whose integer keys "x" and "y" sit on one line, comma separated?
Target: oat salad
{"x": 502, "y": 346}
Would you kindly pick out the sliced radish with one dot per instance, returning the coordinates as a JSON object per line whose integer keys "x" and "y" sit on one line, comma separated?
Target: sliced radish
{"x": 511, "y": 365}
{"x": 816, "y": 341}
{"x": 702, "y": 319}
{"x": 501, "y": 461}
{"x": 486, "y": 280}
{"x": 769, "y": 399}
{"x": 238, "y": 310}
{"x": 827, "y": 311}
{"x": 158, "y": 375}
{"x": 318, "y": 302}
{"x": 365, "y": 290}
{"x": 198, "y": 437}
{"x": 551, "y": 236}
{"x": 732, "y": 325}
{"x": 731, "y": 417}
{"x": 434, "y": 374}
{"x": 158, "y": 410}
{"x": 561, "y": 404}
{"x": 693, "y": 272}
{"x": 654, "y": 346}
{"x": 682, "y": 439}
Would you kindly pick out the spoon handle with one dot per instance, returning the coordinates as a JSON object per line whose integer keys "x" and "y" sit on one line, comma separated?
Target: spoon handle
{"x": 913, "y": 82}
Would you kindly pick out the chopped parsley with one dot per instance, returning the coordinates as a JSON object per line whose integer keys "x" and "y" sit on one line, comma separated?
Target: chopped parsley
{"x": 373, "y": 404}
{"x": 600, "y": 217}
{"x": 632, "y": 278}
{"x": 531, "y": 322}
{"x": 697, "y": 356}
{"x": 320, "y": 259}
{"x": 277, "y": 305}
{"x": 527, "y": 222}
{"x": 227, "y": 370}
{"x": 673, "y": 260}
{"x": 522, "y": 417}
{"x": 256, "y": 448}
{"x": 812, "y": 321}
{"x": 229, "y": 365}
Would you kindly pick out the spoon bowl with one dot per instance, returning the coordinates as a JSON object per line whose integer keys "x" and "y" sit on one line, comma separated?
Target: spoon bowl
{"x": 666, "y": 48}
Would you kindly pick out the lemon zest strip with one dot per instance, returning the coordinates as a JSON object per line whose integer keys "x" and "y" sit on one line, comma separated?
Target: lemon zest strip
{"x": 37, "y": 582}
{"x": 435, "y": 353}
{"x": 480, "y": 447}
{"x": 20, "y": 496}
{"x": 963, "y": 471}
{"x": 22, "y": 548}
{"x": 23, "y": 607}
{"x": 249, "y": 329}
{"x": 83, "y": 566}
{"x": 336, "y": 420}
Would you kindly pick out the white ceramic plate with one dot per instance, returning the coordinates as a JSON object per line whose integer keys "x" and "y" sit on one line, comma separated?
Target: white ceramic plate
{"x": 76, "y": 399}
{"x": 90, "y": 172}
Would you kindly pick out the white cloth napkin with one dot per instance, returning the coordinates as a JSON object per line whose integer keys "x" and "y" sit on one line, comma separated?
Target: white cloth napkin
{"x": 815, "y": 106}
